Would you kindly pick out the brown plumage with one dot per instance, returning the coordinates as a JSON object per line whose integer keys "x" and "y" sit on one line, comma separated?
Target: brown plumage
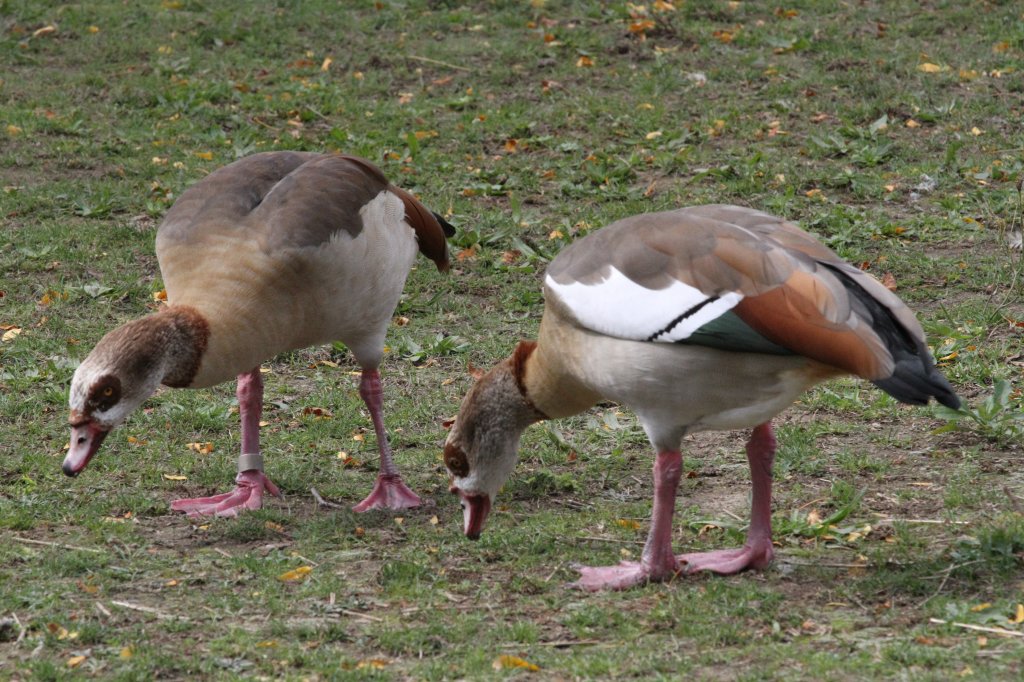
{"x": 274, "y": 252}
{"x": 711, "y": 317}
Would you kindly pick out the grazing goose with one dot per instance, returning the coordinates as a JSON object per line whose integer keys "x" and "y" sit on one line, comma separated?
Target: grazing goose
{"x": 275, "y": 252}
{"x": 710, "y": 317}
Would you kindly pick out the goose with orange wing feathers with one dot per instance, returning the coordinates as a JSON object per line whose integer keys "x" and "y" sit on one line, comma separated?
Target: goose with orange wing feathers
{"x": 704, "y": 318}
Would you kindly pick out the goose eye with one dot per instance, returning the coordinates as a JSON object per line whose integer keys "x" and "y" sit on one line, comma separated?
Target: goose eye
{"x": 107, "y": 392}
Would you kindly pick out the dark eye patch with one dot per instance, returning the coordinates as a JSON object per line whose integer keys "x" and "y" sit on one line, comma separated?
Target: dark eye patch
{"x": 455, "y": 460}
{"x": 105, "y": 393}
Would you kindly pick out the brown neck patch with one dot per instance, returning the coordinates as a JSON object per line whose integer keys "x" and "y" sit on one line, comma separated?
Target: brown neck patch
{"x": 518, "y": 360}
{"x": 190, "y": 324}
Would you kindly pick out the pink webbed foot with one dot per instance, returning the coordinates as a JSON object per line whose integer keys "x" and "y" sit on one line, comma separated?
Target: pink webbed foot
{"x": 729, "y": 561}
{"x": 389, "y": 492}
{"x": 248, "y": 494}
{"x": 627, "y": 574}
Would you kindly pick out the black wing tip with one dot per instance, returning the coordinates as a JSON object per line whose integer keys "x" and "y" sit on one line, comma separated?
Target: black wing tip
{"x": 446, "y": 227}
{"x": 915, "y": 388}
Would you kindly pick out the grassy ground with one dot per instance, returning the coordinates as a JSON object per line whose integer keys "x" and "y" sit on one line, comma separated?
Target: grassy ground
{"x": 890, "y": 129}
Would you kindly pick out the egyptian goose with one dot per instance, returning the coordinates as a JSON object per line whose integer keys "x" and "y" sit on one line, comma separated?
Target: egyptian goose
{"x": 710, "y": 317}
{"x": 277, "y": 251}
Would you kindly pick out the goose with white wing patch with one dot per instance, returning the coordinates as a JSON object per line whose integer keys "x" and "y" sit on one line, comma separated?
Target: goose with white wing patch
{"x": 275, "y": 252}
{"x": 705, "y": 318}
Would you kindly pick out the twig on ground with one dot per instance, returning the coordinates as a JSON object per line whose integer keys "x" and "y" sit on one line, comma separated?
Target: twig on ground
{"x": 103, "y": 609}
{"x": 147, "y": 609}
{"x": 324, "y": 503}
{"x": 979, "y": 628}
{"x": 823, "y": 564}
{"x": 1014, "y": 500}
{"x": 428, "y": 60}
{"x": 21, "y": 628}
{"x": 356, "y": 614}
{"x": 30, "y": 541}
{"x": 220, "y": 551}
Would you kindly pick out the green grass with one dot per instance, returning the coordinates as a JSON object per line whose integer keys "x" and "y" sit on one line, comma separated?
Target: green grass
{"x": 886, "y": 516}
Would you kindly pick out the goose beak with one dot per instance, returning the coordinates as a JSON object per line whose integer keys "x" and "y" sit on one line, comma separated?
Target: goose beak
{"x": 475, "y": 508}
{"x": 86, "y": 439}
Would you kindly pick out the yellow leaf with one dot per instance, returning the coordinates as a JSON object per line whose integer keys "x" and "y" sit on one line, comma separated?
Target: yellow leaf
{"x": 1019, "y": 616}
{"x": 277, "y": 527}
{"x": 75, "y": 661}
{"x": 171, "y": 583}
{"x": 126, "y": 653}
{"x": 977, "y": 131}
{"x": 201, "y": 448}
{"x": 94, "y": 29}
{"x": 13, "y": 130}
{"x": 175, "y": 477}
{"x": 205, "y": 156}
{"x": 44, "y": 31}
{"x": 584, "y": 62}
{"x": 911, "y": 123}
{"x": 267, "y": 644}
{"x": 630, "y": 524}
{"x": 11, "y": 334}
{"x": 556, "y": 234}
{"x": 968, "y": 74}
{"x": 326, "y": 64}
{"x": 928, "y": 67}
{"x": 373, "y": 663}
{"x": 654, "y": 134}
{"x": 1001, "y": 46}
{"x": 434, "y": 521}
{"x": 505, "y": 662}
{"x": 358, "y": 437}
{"x": 160, "y": 295}
{"x": 295, "y": 574}
{"x": 981, "y": 607}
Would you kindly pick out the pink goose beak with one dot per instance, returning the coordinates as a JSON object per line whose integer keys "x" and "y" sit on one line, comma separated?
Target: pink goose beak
{"x": 475, "y": 508}
{"x": 86, "y": 439}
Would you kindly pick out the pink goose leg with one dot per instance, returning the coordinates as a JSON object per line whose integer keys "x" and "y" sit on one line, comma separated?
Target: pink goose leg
{"x": 249, "y": 484}
{"x": 757, "y": 552}
{"x": 657, "y": 562}
{"x": 389, "y": 492}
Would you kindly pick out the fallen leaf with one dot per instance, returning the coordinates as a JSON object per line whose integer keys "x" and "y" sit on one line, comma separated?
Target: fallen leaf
{"x": 201, "y": 448}
{"x": 889, "y": 281}
{"x": 723, "y": 36}
{"x": 326, "y": 64}
{"x": 11, "y": 334}
{"x": 76, "y": 661}
{"x": 205, "y": 156}
{"x": 295, "y": 574}
{"x": 977, "y": 131}
{"x": 126, "y": 653}
{"x": 506, "y": 662}
{"x": 44, "y": 31}
{"x": 175, "y": 477}
{"x": 373, "y": 663}
{"x": 981, "y": 607}
{"x": 631, "y": 524}
{"x": 928, "y": 67}
{"x": 654, "y": 134}
{"x": 1019, "y": 616}
{"x": 584, "y": 62}
{"x": 434, "y": 520}
{"x": 911, "y": 123}
{"x": 160, "y": 295}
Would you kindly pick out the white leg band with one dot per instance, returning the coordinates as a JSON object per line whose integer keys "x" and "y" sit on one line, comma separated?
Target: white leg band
{"x": 248, "y": 462}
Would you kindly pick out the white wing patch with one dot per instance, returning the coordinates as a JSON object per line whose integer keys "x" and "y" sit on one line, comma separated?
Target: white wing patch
{"x": 619, "y": 307}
